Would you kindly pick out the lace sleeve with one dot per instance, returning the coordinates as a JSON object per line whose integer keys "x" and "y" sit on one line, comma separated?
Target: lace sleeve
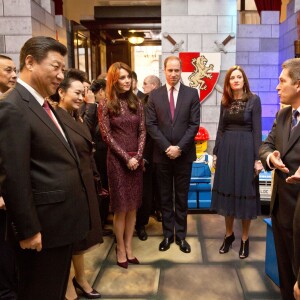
{"x": 142, "y": 132}
{"x": 104, "y": 126}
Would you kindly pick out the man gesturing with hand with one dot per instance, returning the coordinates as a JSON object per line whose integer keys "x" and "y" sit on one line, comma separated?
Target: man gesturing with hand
{"x": 281, "y": 152}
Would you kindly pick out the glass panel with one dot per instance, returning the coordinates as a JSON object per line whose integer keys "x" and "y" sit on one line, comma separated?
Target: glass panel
{"x": 146, "y": 62}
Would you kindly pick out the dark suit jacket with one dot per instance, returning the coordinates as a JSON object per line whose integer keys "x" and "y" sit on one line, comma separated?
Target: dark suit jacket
{"x": 284, "y": 195}
{"x": 80, "y": 135}
{"x": 181, "y": 131}
{"x": 42, "y": 184}
{"x": 140, "y": 95}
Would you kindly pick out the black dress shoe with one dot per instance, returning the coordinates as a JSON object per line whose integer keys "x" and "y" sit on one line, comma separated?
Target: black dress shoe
{"x": 183, "y": 245}
{"x": 141, "y": 233}
{"x": 91, "y": 295}
{"x": 165, "y": 244}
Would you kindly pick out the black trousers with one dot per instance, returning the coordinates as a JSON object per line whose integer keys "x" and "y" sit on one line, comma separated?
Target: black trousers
{"x": 8, "y": 268}
{"x": 44, "y": 275}
{"x": 100, "y": 159}
{"x": 284, "y": 246}
{"x": 143, "y": 213}
{"x": 174, "y": 183}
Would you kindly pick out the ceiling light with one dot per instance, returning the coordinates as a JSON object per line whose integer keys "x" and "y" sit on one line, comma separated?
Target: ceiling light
{"x": 136, "y": 38}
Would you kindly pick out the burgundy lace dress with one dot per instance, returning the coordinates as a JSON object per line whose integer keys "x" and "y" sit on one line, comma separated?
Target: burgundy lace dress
{"x": 125, "y": 136}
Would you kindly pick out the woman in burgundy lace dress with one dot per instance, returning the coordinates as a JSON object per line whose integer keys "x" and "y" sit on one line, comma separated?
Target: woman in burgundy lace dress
{"x": 121, "y": 122}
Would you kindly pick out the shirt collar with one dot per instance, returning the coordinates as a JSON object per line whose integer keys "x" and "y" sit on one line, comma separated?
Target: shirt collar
{"x": 176, "y": 86}
{"x": 32, "y": 91}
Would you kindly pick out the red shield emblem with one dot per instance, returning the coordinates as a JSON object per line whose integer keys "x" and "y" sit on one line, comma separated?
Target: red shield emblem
{"x": 200, "y": 71}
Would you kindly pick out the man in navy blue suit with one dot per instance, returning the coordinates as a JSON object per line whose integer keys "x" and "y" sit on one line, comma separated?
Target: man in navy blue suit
{"x": 173, "y": 119}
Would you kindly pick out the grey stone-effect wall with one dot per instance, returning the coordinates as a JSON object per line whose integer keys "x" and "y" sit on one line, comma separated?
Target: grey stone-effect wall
{"x": 199, "y": 24}
{"x": 257, "y": 52}
{"x": 23, "y": 19}
{"x": 288, "y": 32}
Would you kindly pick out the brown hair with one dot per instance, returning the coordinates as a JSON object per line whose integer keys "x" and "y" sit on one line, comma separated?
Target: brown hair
{"x": 172, "y": 57}
{"x": 112, "y": 92}
{"x": 227, "y": 91}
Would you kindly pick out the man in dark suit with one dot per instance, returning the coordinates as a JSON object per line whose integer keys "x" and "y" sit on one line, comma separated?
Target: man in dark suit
{"x": 149, "y": 198}
{"x": 8, "y": 274}
{"x": 40, "y": 175}
{"x": 135, "y": 89}
{"x": 172, "y": 119}
{"x": 280, "y": 151}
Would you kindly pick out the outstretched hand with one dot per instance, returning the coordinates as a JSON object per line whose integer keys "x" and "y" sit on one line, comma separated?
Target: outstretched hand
{"x": 294, "y": 178}
{"x": 296, "y": 291}
{"x": 277, "y": 163}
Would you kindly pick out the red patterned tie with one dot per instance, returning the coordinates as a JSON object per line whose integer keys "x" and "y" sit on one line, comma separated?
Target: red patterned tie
{"x": 48, "y": 110}
{"x": 172, "y": 102}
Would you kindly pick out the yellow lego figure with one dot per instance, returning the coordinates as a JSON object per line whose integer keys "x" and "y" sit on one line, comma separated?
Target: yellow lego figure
{"x": 201, "y": 139}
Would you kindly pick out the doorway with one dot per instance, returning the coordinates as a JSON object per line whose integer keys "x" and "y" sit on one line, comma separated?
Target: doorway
{"x": 145, "y": 61}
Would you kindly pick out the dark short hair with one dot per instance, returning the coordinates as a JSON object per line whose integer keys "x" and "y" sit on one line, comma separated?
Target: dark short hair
{"x": 97, "y": 85}
{"x": 133, "y": 75}
{"x": 38, "y": 47}
{"x": 4, "y": 57}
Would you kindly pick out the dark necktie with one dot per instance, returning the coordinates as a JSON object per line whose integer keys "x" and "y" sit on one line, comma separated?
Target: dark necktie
{"x": 48, "y": 111}
{"x": 295, "y": 115}
{"x": 172, "y": 102}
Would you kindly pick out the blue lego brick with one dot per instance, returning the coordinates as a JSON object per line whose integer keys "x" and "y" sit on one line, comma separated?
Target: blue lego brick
{"x": 205, "y": 195}
{"x": 271, "y": 267}
{"x": 201, "y": 193}
{"x": 192, "y": 203}
{"x": 204, "y": 204}
{"x": 265, "y": 176}
{"x": 200, "y": 179}
{"x": 200, "y": 186}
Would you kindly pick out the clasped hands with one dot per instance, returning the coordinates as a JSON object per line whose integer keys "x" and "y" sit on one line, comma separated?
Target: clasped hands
{"x": 173, "y": 152}
{"x": 258, "y": 167}
{"x": 132, "y": 164}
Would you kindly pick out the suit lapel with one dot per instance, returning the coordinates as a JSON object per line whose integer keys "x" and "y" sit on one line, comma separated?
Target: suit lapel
{"x": 166, "y": 102}
{"x": 69, "y": 122}
{"x": 289, "y": 138}
{"x": 179, "y": 101}
{"x": 38, "y": 110}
